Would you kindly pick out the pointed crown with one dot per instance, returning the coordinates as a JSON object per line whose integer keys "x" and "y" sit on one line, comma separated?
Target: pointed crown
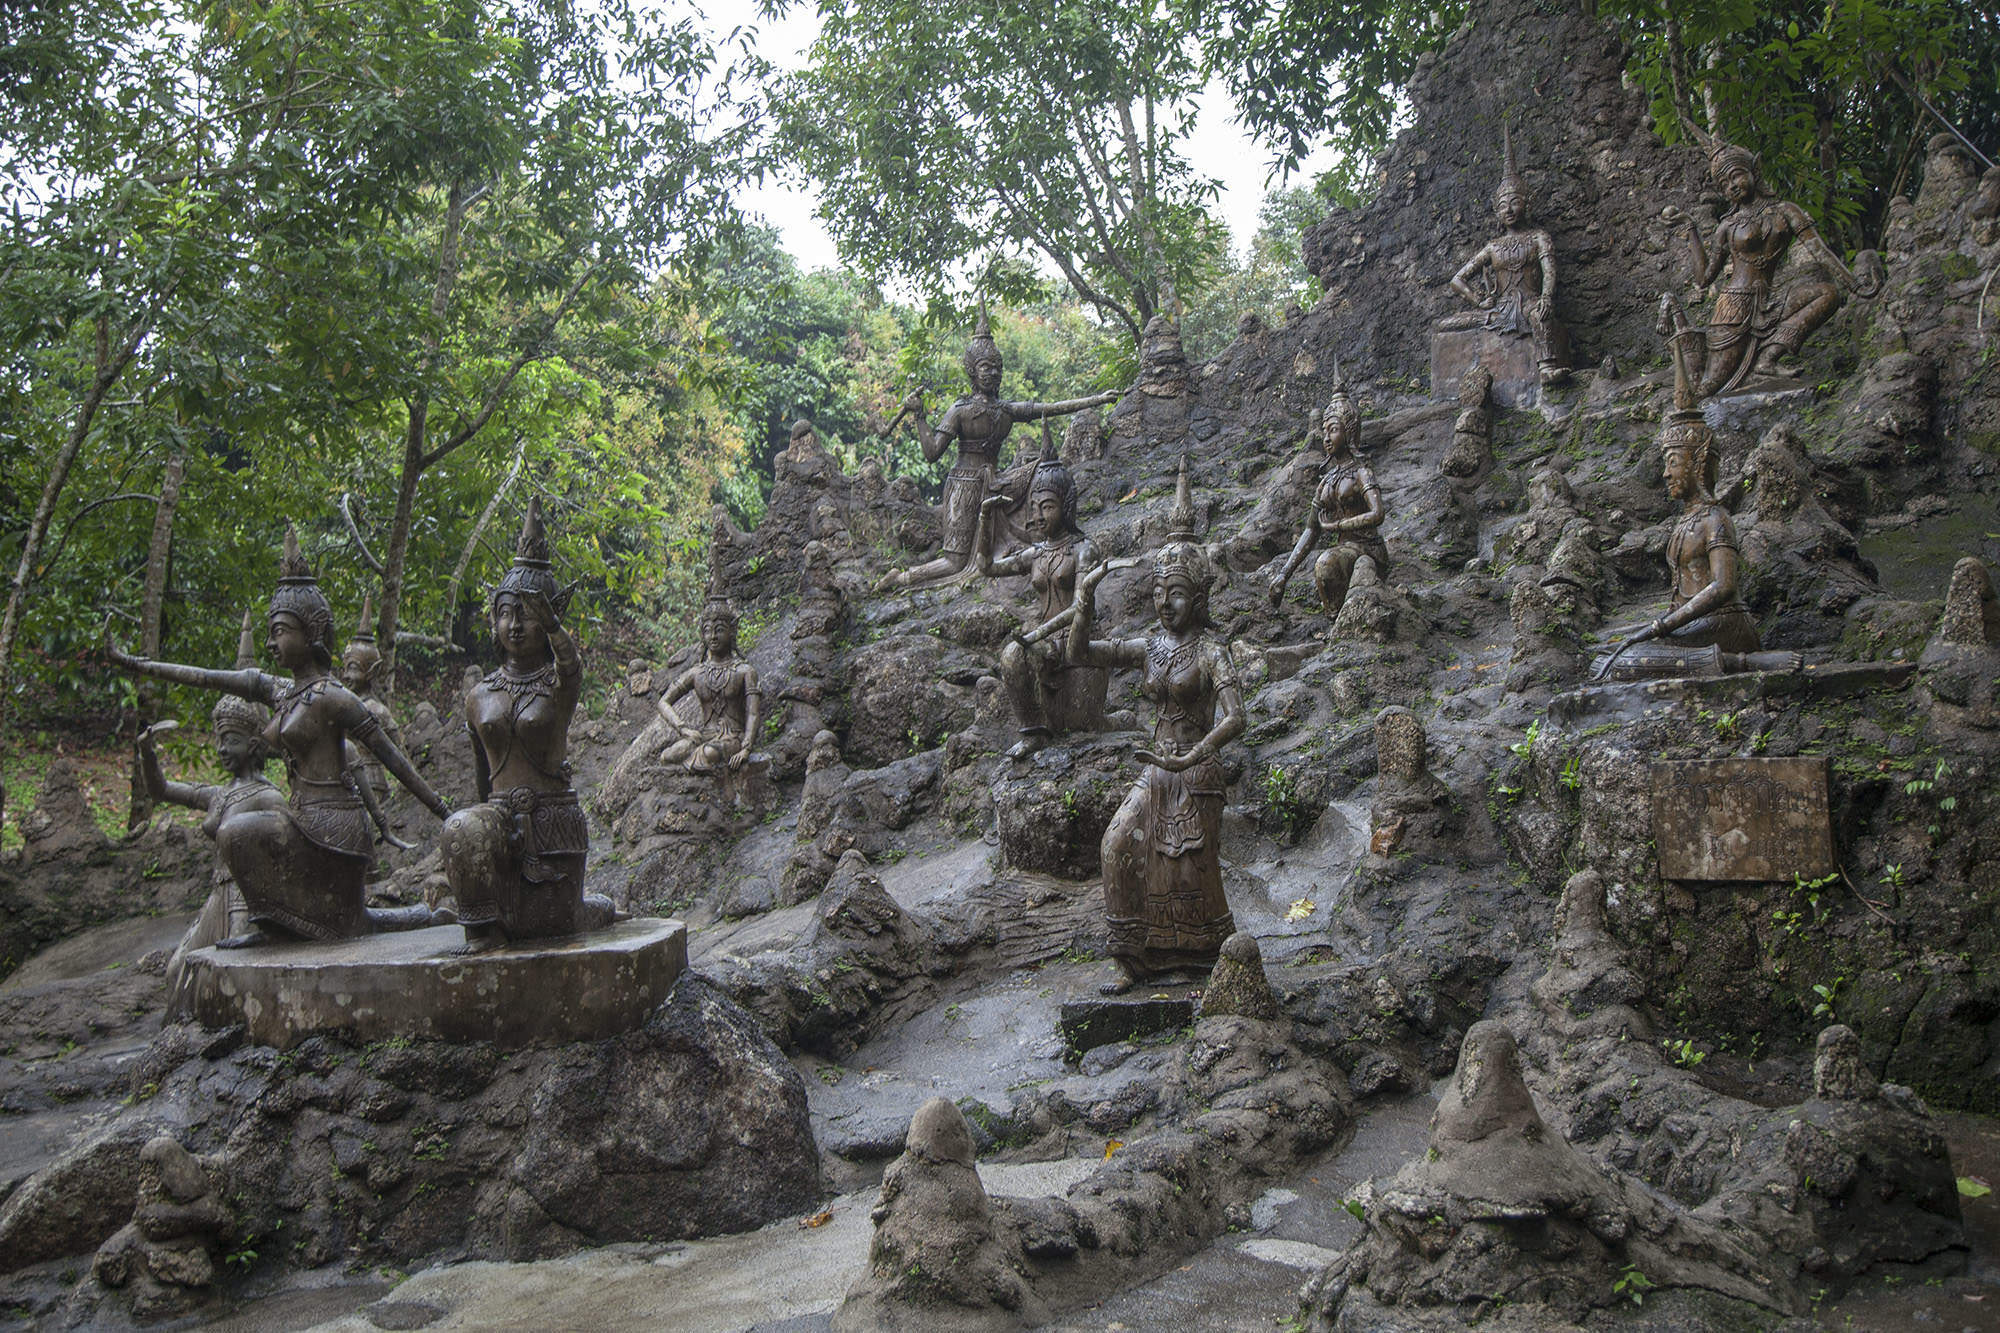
{"x": 1051, "y": 474}
{"x": 1685, "y": 427}
{"x": 1340, "y": 407}
{"x": 1182, "y": 556}
{"x": 361, "y": 643}
{"x": 1511, "y": 182}
{"x": 532, "y": 570}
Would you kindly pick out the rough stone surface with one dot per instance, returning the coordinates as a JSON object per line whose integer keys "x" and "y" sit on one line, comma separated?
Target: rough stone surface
{"x": 1088, "y": 1024}
{"x": 406, "y": 985}
{"x": 1238, "y": 985}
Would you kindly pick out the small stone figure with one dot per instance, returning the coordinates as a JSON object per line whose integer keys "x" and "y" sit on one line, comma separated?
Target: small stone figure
{"x": 1971, "y": 616}
{"x": 302, "y": 868}
{"x": 1754, "y": 321}
{"x": 1238, "y": 985}
{"x": 1471, "y": 449}
{"x": 1707, "y": 630}
{"x": 1162, "y": 860}
{"x": 1347, "y": 508}
{"x": 732, "y": 703}
{"x": 1412, "y": 808}
{"x": 360, "y": 667}
{"x": 980, "y": 423}
{"x": 1048, "y": 693}
{"x": 164, "y": 1259}
{"x": 1520, "y": 286}
{"x": 515, "y": 861}
{"x": 240, "y": 749}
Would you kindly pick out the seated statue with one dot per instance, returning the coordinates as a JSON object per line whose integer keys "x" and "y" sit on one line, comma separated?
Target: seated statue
{"x": 1707, "y": 630}
{"x": 302, "y": 866}
{"x": 1754, "y": 321}
{"x": 1347, "y": 509}
{"x": 980, "y": 423}
{"x": 515, "y": 861}
{"x": 732, "y": 703}
{"x": 1049, "y": 694}
{"x": 1517, "y": 276}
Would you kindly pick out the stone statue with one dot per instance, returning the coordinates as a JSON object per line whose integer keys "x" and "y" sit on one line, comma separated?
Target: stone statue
{"x": 361, "y": 666}
{"x": 165, "y": 1257}
{"x": 1347, "y": 509}
{"x": 240, "y": 750}
{"x": 1048, "y": 693}
{"x": 1516, "y": 273}
{"x": 1707, "y": 630}
{"x": 302, "y": 867}
{"x": 1162, "y": 852}
{"x": 515, "y": 861}
{"x": 732, "y": 703}
{"x": 980, "y": 423}
{"x": 1754, "y": 322}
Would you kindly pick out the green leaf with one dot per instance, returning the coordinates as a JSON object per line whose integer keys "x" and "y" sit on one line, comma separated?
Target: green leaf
{"x": 1973, "y": 1188}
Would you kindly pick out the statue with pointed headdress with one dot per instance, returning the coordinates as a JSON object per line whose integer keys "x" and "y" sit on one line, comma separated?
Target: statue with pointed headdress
{"x": 361, "y": 668}
{"x": 1347, "y": 510}
{"x": 1049, "y": 694}
{"x": 979, "y": 423}
{"x": 1163, "y": 897}
{"x": 1756, "y": 320}
{"x": 1707, "y": 631}
{"x": 1513, "y": 277}
{"x": 301, "y": 865}
{"x": 719, "y": 740}
{"x": 515, "y": 861}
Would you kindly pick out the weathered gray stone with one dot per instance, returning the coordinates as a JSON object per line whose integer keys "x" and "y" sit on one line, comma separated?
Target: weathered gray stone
{"x": 408, "y": 985}
{"x": 1086, "y": 1024}
{"x": 1238, "y": 984}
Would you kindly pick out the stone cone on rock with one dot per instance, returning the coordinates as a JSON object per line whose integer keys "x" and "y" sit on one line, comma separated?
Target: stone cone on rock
{"x": 1238, "y": 985}
{"x": 935, "y": 1262}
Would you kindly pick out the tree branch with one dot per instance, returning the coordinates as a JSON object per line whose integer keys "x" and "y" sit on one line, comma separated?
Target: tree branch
{"x": 354, "y": 530}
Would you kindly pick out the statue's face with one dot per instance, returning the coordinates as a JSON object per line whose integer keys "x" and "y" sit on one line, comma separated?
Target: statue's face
{"x": 357, "y": 672}
{"x": 1740, "y": 184}
{"x": 986, "y": 374}
{"x": 1174, "y": 602}
{"x": 718, "y": 636}
{"x": 1683, "y": 475}
{"x": 1044, "y": 516}
{"x": 289, "y": 645}
{"x": 236, "y": 752}
{"x": 519, "y": 632}
{"x": 1511, "y": 208}
{"x": 1336, "y": 434}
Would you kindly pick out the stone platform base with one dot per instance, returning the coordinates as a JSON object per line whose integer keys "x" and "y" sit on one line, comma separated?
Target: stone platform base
{"x": 1509, "y": 358}
{"x": 407, "y": 984}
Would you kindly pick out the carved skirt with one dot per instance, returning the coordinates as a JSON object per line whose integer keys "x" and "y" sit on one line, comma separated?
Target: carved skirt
{"x": 1163, "y": 899}
{"x": 307, "y": 875}
{"x": 964, "y": 491}
{"x": 548, "y": 841}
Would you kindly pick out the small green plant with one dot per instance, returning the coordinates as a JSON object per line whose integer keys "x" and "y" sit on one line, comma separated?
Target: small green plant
{"x": 1525, "y": 747}
{"x": 1633, "y": 1283}
{"x": 1892, "y": 875}
{"x": 1827, "y": 994}
{"x": 1572, "y": 773}
{"x": 1354, "y": 1208}
{"x": 1283, "y": 802}
{"x": 1069, "y": 804}
{"x": 242, "y": 1258}
{"x": 1684, "y": 1052}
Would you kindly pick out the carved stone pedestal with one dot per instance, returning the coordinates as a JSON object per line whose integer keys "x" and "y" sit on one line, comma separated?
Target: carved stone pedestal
{"x": 1509, "y": 358}
{"x": 409, "y": 985}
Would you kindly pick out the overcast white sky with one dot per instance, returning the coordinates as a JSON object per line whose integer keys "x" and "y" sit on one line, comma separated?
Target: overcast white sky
{"x": 1218, "y": 147}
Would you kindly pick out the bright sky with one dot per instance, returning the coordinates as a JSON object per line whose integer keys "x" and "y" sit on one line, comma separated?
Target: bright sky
{"x": 1218, "y": 147}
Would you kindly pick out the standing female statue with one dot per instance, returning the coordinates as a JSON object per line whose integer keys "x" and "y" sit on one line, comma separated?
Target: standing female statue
{"x": 1163, "y": 894}
{"x": 1048, "y": 692}
{"x": 302, "y": 867}
{"x": 1347, "y": 508}
{"x": 980, "y": 422}
{"x": 1751, "y": 326}
{"x": 515, "y": 861}
{"x": 1520, "y": 265}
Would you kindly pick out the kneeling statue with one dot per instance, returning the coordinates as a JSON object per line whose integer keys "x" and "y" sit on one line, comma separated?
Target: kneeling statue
{"x": 515, "y": 861}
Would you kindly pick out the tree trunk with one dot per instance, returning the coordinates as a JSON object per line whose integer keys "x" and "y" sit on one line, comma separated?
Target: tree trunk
{"x": 109, "y": 367}
{"x": 151, "y": 613}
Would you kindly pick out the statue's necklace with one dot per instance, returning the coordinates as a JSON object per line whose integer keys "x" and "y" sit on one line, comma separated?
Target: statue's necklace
{"x": 539, "y": 683}
{"x": 1167, "y": 657}
{"x": 715, "y": 676}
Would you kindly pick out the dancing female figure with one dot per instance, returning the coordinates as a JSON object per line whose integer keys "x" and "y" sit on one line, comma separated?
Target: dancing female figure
{"x": 1163, "y": 896}
{"x": 302, "y": 866}
{"x": 515, "y": 861}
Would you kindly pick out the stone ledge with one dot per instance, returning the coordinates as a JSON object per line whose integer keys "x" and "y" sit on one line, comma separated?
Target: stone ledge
{"x": 408, "y": 985}
{"x": 1628, "y": 699}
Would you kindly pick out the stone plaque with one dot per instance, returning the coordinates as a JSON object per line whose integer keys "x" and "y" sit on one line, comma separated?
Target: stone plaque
{"x": 1509, "y": 358}
{"x": 1742, "y": 819}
